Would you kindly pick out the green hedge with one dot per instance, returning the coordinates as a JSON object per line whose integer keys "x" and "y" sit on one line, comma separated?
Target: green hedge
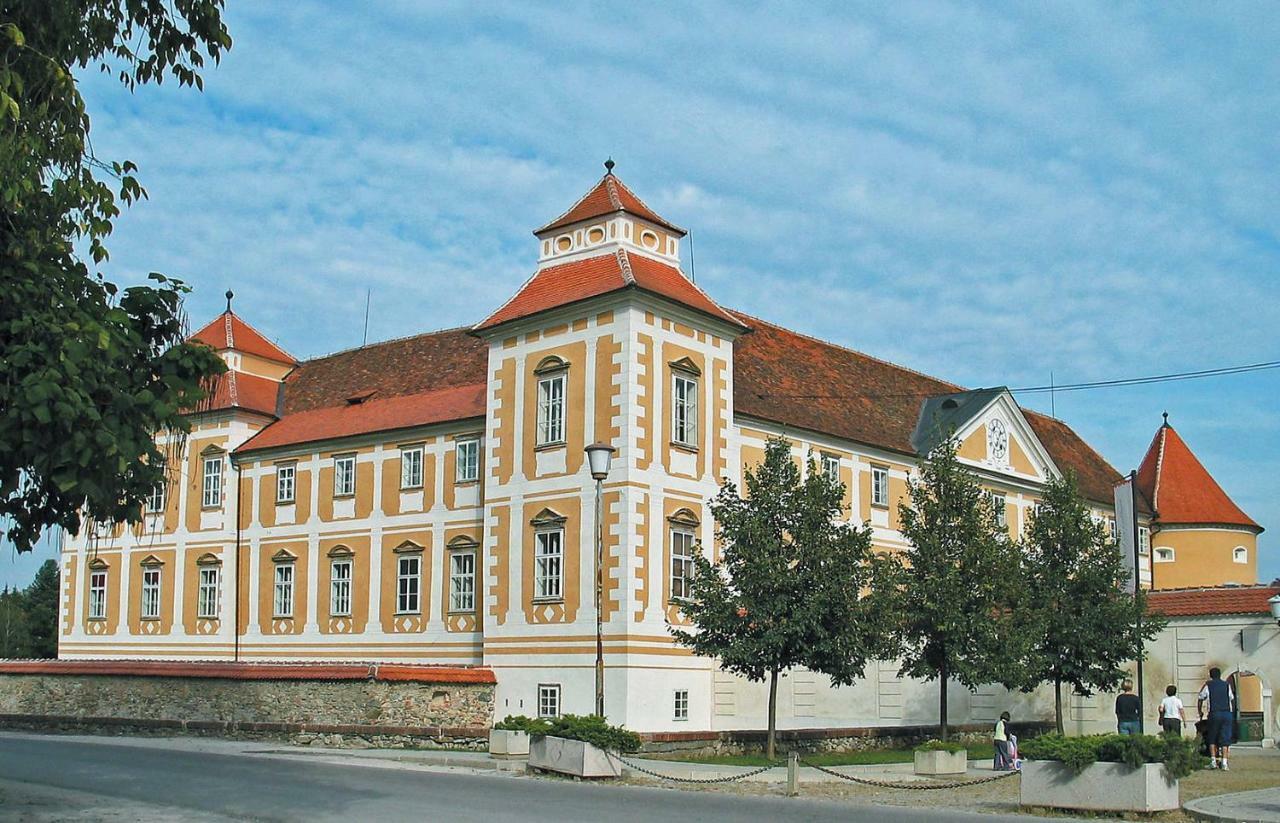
{"x": 588, "y": 728}
{"x": 1179, "y": 755}
{"x": 942, "y": 746}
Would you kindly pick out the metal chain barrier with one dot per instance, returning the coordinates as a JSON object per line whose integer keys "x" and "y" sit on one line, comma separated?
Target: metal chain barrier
{"x": 704, "y": 781}
{"x": 892, "y": 784}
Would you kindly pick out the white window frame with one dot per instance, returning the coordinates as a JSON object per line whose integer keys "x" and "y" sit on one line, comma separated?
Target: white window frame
{"x": 462, "y": 581}
{"x": 1164, "y": 554}
{"x": 412, "y": 459}
{"x": 831, "y": 467}
{"x": 1240, "y": 554}
{"x": 466, "y": 454}
{"x": 211, "y": 491}
{"x": 282, "y": 602}
{"x": 684, "y": 410}
{"x": 549, "y": 699}
{"x": 880, "y": 486}
{"x": 1144, "y": 541}
{"x": 548, "y": 564}
{"x": 409, "y": 583}
{"x": 158, "y": 497}
{"x": 286, "y": 483}
{"x": 344, "y": 475}
{"x": 149, "y": 608}
{"x": 551, "y": 407}
{"x": 208, "y": 592}
{"x": 341, "y": 574}
{"x": 684, "y": 546}
{"x": 999, "y": 501}
{"x": 98, "y": 594}
{"x": 680, "y": 704}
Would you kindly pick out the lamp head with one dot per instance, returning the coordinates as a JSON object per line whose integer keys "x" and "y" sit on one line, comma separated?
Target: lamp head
{"x": 1274, "y": 603}
{"x": 599, "y": 458}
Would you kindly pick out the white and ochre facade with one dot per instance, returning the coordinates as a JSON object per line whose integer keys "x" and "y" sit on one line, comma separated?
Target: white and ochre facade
{"x": 428, "y": 500}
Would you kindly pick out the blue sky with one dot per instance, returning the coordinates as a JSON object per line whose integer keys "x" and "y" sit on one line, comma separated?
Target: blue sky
{"x": 988, "y": 193}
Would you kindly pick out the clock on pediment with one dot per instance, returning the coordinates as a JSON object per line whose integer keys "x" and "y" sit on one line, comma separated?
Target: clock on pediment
{"x": 997, "y": 441}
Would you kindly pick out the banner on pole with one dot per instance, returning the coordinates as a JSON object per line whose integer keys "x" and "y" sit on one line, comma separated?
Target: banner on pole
{"x": 1127, "y": 530}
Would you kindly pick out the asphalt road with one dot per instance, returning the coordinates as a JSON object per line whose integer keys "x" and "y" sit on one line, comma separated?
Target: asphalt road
{"x": 56, "y": 778}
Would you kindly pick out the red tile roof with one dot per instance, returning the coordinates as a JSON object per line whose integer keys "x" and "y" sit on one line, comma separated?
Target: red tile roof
{"x": 608, "y": 196}
{"x": 794, "y": 380}
{"x": 1202, "y": 602}
{"x": 373, "y": 415}
{"x": 228, "y": 331}
{"x": 567, "y": 283}
{"x": 238, "y": 390}
{"x": 1180, "y": 488}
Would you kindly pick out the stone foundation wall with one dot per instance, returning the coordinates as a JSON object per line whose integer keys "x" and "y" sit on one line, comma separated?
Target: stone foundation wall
{"x": 347, "y": 712}
{"x": 824, "y": 740}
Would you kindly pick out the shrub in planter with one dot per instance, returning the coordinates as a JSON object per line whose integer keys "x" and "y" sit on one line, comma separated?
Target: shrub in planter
{"x": 520, "y": 723}
{"x": 591, "y": 729}
{"x": 1178, "y": 754}
{"x": 1108, "y": 772}
{"x": 942, "y": 746}
{"x": 939, "y": 757}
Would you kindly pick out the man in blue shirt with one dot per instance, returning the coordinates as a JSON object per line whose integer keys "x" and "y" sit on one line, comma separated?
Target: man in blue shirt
{"x": 1222, "y": 703}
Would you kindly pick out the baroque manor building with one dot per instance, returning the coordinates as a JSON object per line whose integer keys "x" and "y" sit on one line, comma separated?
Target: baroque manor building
{"x": 428, "y": 499}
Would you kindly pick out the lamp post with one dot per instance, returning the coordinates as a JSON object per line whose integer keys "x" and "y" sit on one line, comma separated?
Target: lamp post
{"x": 1274, "y": 603}
{"x": 599, "y": 456}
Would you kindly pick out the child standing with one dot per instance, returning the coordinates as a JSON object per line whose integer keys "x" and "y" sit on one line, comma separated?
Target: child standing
{"x": 1172, "y": 712}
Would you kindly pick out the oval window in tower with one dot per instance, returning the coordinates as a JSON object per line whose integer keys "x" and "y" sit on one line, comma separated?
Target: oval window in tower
{"x": 595, "y": 235}
{"x": 564, "y": 243}
{"x": 649, "y": 240}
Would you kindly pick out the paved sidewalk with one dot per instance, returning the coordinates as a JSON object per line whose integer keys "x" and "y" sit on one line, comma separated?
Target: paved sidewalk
{"x": 1261, "y": 806}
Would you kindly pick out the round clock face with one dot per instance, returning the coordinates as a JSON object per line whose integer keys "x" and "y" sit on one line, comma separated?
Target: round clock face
{"x": 997, "y": 440}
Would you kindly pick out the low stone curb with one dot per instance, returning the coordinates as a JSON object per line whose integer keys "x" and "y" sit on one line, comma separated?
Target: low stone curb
{"x": 1218, "y": 807}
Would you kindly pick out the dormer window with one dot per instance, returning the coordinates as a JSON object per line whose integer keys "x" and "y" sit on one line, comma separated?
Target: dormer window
{"x": 552, "y": 381}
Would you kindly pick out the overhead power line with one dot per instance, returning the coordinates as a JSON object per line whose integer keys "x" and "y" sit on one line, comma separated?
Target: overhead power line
{"x": 1096, "y": 384}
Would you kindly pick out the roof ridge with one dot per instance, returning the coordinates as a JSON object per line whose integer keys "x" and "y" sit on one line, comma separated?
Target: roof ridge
{"x": 1155, "y": 488}
{"x": 386, "y": 342}
{"x": 611, "y": 187}
{"x": 578, "y": 202}
{"x": 231, "y": 339}
{"x": 849, "y": 349}
{"x": 624, "y": 261}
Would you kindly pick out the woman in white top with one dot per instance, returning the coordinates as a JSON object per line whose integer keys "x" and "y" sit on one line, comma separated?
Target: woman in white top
{"x": 1172, "y": 713}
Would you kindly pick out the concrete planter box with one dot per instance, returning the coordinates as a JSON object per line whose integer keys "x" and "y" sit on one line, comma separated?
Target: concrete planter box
{"x": 556, "y": 754}
{"x": 508, "y": 744}
{"x": 940, "y": 762}
{"x": 1112, "y": 787}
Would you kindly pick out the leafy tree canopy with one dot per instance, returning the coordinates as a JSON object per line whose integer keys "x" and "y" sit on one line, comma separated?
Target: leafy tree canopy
{"x": 91, "y": 373}
{"x": 1084, "y": 626}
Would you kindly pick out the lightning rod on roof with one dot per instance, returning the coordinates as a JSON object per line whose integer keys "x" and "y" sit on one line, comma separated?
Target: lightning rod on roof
{"x": 368, "y": 296}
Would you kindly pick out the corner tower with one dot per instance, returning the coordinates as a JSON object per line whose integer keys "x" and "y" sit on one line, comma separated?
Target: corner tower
{"x": 1200, "y": 537}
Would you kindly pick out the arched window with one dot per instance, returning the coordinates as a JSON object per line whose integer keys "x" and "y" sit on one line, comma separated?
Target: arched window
{"x": 1163, "y": 554}
{"x": 1240, "y": 555}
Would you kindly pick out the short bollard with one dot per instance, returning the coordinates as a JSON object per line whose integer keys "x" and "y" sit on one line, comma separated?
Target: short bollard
{"x": 793, "y": 774}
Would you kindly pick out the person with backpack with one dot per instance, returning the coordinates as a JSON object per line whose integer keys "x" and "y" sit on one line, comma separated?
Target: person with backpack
{"x": 1172, "y": 712}
{"x": 1219, "y": 731}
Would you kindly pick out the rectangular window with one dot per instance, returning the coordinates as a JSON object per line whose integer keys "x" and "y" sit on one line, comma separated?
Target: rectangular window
{"x": 682, "y": 549}
{"x": 548, "y": 700}
{"x": 207, "y": 595}
{"x": 340, "y": 588}
{"x": 467, "y": 457}
{"x": 684, "y": 411}
{"x": 1144, "y": 541}
{"x": 286, "y": 482}
{"x": 408, "y": 583}
{"x": 462, "y": 582}
{"x": 411, "y": 467}
{"x": 344, "y": 475}
{"x": 155, "y": 503}
{"x": 879, "y": 486}
{"x": 831, "y": 467}
{"x": 998, "y": 508}
{"x": 680, "y": 710}
{"x": 551, "y": 409}
{"x": 548, "y": 564}
{"x": 212, "y": 496}
{"x": 1113, "y": 530}
{"x": 284, "y": 590}
{"x": 150, "y": 593}
{"x": 98, "y": 595}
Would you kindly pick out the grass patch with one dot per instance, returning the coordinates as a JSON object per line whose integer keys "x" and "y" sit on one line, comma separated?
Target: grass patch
{"x": 869, "y": 757}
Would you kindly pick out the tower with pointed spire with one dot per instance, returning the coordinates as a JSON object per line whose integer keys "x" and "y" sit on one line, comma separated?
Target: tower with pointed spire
{"x": 1199, "y": 537}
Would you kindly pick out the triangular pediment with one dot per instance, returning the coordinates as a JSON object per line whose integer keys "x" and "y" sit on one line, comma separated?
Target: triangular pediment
{"x": 990, "y": 430}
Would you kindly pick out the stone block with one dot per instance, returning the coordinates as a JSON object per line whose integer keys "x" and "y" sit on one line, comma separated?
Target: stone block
{"x": 940, "y": 762}
{"x": 1112, "y": 787}
{"x": 573, "y": 757}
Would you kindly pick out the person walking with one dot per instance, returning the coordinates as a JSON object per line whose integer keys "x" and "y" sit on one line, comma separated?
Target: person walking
{"x": 1128, "y": 710}
{"x": 1221, "y": 702}
{"x": 1172, "y": 713}
{"x": 1000, "y": 738}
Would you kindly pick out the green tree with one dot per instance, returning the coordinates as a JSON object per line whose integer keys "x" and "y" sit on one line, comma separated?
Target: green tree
{"x": 15, "y": 639}
{"x": 1083, "y": 624}
{"x": 42, "y": 601}
{"x": 794, "y": 585}
{"x": 957, "y": 582}
{"x": 91, "y": 373}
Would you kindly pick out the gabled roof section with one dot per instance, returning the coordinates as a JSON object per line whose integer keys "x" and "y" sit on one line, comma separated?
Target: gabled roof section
{"x": 1181, "y": 489}
{"x": 567, "y": 283}
{"x": 228, "y": 331}
{"x": 1225, "y": 600}
{"x": 943, "y": 415}
{"x": 609, "y": 196}
{"x": 238, "y": 390}
{"x": 791, "y": 379}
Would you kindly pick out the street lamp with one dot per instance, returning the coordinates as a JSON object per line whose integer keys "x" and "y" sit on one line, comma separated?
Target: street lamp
{"x": 599, "y": 456}
{"x": 1274, "y": 603}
